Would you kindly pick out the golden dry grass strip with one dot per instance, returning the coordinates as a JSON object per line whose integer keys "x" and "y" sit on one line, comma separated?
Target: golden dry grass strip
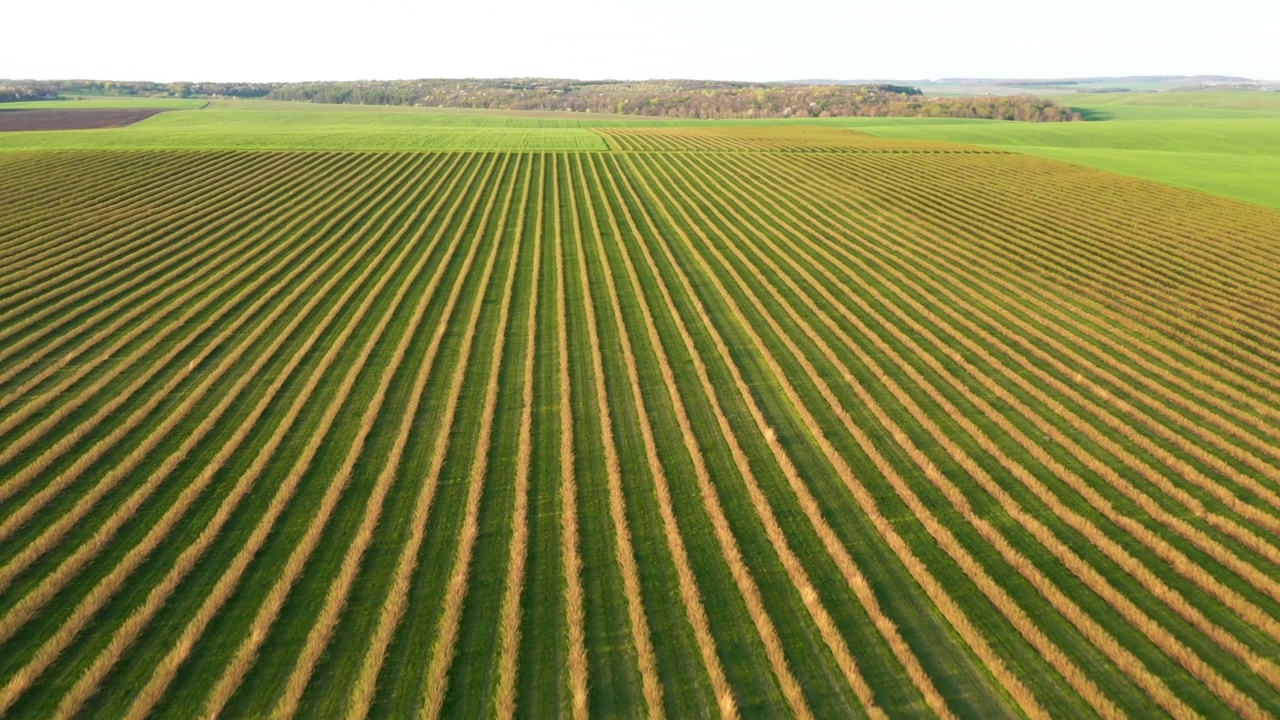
{"x": 43, "y": 187}
{"x": 1260, "y": 400}
{"x": 43, "y": 258}
{"x": 1081, "y": 364}
{"x": 56, "y": 272}
{"x": 1157, "y": 587}
{"x": 38, "y": 250}
{"x": 444, "y": 646}
{"x": 1242, "y": 309}
{"x": 1182, "y": 527}
{"x": 107, "y": 587}
{"x": 54, "y": 187}
{"x": 52, "y": 534}
{"x": 66, "y": 406}
{"x": 950, "y": 608}
{"x": 71, "y": 195}
{"x": 1163, "y": 375}
{"x": 1246, "y": 535}
{"x": 218, "y": 205}
{"x": 339, "y": 590}
{"x": 36, "y": 598}
{"x": 105, "y": 324}
{"x": 730, "y": 548}
{"x": 1051, "y": 652}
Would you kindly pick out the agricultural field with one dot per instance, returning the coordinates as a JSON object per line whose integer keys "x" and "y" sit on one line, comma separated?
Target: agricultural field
{"x": 1225, "y": 143}
{"x": 627, "y": 419}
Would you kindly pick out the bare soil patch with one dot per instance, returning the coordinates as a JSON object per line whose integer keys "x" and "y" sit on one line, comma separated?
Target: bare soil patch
{"x": 72, "y": 119}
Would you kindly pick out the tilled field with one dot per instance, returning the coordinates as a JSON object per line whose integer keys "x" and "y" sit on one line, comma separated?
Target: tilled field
{"x": 701, "y": 426}
{"x": 72, "y": 119}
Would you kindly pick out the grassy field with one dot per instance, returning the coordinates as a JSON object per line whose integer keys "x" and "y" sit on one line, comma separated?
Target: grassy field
{"x": 629, "y": 420}
{"x": 252, "y": 125}
{"x": 1223, "y": 143}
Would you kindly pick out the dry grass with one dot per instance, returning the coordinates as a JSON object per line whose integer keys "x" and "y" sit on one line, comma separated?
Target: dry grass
{"x": 28, "y": 306}
{"x": 246, "y": 654}
{"x": 961, "y": 314}
{"x": 1127, "y": 609}
{"x": 1123, "y": 559}
{"x": 886, "y": 353}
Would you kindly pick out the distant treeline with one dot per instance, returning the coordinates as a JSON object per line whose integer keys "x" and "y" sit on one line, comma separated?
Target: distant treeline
{"x": 19, "y": 91}
{"x": 696, "y": 99}
{"x": 11, "y": 90}
{"x": 1023, "y": 108}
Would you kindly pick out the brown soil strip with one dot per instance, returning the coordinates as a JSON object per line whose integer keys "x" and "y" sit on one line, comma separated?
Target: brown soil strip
{"x": 19, "y": 120}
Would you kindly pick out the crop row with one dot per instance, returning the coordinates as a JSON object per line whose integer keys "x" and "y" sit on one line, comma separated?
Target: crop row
{"x": 709, "y": 433}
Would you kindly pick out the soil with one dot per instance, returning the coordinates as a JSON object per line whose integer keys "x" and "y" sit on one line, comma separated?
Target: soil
{"x": 17, "y": 120}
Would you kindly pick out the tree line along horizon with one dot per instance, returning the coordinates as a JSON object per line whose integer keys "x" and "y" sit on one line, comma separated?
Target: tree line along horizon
{"x": 686, "y": 99}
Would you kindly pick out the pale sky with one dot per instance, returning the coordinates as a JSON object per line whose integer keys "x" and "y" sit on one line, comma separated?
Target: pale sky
{"x": 284, "y": 40}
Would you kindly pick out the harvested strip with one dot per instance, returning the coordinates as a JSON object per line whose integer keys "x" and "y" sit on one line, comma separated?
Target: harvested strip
{"x": 129, "y": 632}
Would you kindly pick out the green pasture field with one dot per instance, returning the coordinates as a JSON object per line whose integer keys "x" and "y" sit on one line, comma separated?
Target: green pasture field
{"x": 596, "y": 417}
{"x": 1223, "y": 143}
{"x": 255, "y": 125}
